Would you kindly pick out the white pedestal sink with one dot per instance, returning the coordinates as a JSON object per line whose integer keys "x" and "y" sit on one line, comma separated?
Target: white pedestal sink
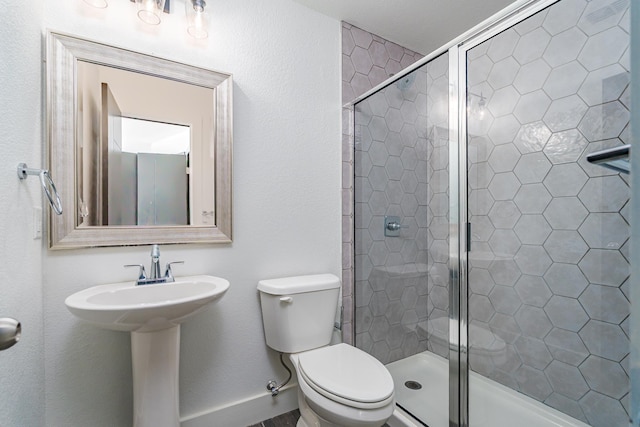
{"x": 152, "y": 313}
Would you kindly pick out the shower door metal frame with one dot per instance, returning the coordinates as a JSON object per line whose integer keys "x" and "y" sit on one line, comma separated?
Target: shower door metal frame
{"x": 458, "y": 180}
{"x": 460, "y": 227}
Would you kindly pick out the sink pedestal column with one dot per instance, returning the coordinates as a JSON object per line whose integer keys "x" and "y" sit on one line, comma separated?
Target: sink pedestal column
{"x": 155, "y": 360}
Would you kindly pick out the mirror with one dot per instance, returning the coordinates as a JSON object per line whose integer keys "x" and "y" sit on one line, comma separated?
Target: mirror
{"x": 140, "y": 147}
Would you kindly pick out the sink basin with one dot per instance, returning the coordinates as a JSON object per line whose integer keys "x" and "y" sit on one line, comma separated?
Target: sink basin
{"x": 127, "y": 307}
{"x": 152, "y": 314}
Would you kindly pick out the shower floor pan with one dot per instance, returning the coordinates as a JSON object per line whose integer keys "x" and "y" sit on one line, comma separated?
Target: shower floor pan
{"x": 491, "y": 405}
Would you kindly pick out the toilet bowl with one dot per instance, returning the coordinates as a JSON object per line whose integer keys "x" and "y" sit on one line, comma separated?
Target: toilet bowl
{"x": 343, "y": 386}
{"x": 338, "y": 385}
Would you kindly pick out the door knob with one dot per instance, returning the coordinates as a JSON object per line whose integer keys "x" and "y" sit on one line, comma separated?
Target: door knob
{"x": 10, "y": 331}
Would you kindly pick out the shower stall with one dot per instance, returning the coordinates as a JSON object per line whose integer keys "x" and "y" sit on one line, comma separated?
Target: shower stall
{"x": 491, "y": 258}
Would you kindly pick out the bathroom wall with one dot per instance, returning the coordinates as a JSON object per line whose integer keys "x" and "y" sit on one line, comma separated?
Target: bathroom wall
{"x": 367, "y": 61}
{"x": 21, "y": 380}
{"x": 285, "y": 61}
{"x": 550, "y": 251}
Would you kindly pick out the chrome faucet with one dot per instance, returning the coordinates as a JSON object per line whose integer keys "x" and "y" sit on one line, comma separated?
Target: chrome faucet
{"x": 155, "y": 276}
{"x": 155, "y": 262}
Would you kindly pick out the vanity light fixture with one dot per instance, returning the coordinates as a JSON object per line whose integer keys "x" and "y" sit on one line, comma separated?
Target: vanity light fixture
{"x": 150, "y": 12}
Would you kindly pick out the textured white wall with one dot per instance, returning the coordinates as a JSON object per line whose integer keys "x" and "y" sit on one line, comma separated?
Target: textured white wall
{"x": 21, "y": 367}
{"x": 285, "y": 62}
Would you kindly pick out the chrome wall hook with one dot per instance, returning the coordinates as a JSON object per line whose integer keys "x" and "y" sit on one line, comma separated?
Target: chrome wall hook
{"x": 47, "y": 185}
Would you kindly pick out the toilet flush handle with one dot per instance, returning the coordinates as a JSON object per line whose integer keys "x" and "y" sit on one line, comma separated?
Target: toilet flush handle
{"x": 288, "y": 300}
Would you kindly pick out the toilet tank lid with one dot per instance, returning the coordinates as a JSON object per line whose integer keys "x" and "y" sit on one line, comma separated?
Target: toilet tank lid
{"x": 299, "y": 284}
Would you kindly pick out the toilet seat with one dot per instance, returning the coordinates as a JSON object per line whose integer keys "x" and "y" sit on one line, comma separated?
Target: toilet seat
{"x": 347, "y": 375}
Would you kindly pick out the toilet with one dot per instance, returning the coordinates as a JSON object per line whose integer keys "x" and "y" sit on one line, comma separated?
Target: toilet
{"x": 338, "y": 385}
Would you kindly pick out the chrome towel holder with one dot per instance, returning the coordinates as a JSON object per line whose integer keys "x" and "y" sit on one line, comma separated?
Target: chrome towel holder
{"x": 47, "y": 185}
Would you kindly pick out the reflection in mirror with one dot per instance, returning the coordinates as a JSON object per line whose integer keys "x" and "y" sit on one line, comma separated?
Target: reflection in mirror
{"x": 141, "y": 146}
{"x": 117, "y": 186}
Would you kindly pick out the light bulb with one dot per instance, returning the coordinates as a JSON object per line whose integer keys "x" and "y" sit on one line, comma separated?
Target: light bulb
{"x": 149, "y": 11}
{"x": 197, "y": 19}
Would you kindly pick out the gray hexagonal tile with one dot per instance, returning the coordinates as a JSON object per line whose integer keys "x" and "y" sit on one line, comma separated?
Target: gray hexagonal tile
{"x": 503, "y": 101}
{"x": 378, "y": 203}
{"x": 565, "y": 246}
{"x": 565, "y": 146}
{"x": 504, "y": 299}
{"x": 565, "y": 180}
{"x": 409, "y": 251}
{"x": 605, "y": 303}
{"x": 565, "y": 280}
{"x": 394, "y": 120}
{"x": 502, "y": 45}
{"x": 394, "y": 97}
{"x": 361, "y": 60}
{"x": 604, "y": 48}
{"x": 533, "y": 352}
{"x": 605, "y": 194}
{"x": 504, "y": 186}
{"x": 503, "y": 130}
{"x": 532, "y": 137}
{"x": 478, "y": 70}
{"x": 604, "y": 267}
{"x": 566, "y": 380}
{"x": 605, "y": 340}
{"x": 564, "y": 47}
{"x": 533, "y": 322}
{"x": 394, "y": 168}
{"x": 605, "y": 230}
{"x": 480, "y": 202}
{"x": 604, "y": 121}
{"x": 565, "y": 213}
{"x": 409, "y": 158}
{"x": 533, "y": 291}
{"x": 503, "y": 73}
{"x": 380, "y": 350}
{"x": 378, "y": 128}
{"x": 480, "y": 174}
{"x": 566, "y": 313}
{"x": 532, "y": 76}
{"x": 480, "y": 281}
{"x": 409, "y": 182}
{"x": 566, "y": 346}
{"x": 565, "y": 113}
{"x": 533, "y": 260}
{"x": 565, "y": 80}
{"x": 532, "y": 106}
{"x": 531, "y": 46}
{"x": 566, "y": 405}
{"x": 504, "y": 272}
{"x": 563, "y": 15}
{"x": 597, "y": 170}
{"x": 605, "y": 376}
{"x": 533, "y": 382}
{"x": 532, "y": 229}
{"x": 603, "y": 411}
{"x": 531, "y": 23}
{"x": 604, "y": 85}
{"x": 532, "y": 198}
{"x": 504, "y": 214}
{"x": 504, "y": 243}
{"x": 532, "y": 168}
{"x": 480, "y": 308}
{"x": 503, "y": 158}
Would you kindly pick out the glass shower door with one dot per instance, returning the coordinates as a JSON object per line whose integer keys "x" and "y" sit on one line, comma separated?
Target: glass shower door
{"x": 401, "y": 236}
{"x": 548, "y": 265}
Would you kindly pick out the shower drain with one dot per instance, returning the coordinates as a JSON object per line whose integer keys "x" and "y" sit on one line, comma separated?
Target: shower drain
{"x": 413, "y": 385}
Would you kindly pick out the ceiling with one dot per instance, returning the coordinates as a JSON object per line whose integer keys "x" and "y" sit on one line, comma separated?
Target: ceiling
{"x": 420, "y": 25}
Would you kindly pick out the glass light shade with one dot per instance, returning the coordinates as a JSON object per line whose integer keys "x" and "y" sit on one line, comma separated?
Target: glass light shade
{"x": 99, "y": 4}
{"x": 150, "y": 11}
{"x": 197, "y": 19}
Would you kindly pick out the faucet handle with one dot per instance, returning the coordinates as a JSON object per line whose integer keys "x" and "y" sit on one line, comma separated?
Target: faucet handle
{"x": 142, "y": 274}
{"x": 168, "y": 274}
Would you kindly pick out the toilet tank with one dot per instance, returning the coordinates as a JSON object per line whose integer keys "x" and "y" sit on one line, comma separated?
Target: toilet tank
{"x": 298, "y": 312}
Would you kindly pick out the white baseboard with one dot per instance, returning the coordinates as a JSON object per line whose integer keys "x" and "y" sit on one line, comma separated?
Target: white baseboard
{"x": 246, "y": 412}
